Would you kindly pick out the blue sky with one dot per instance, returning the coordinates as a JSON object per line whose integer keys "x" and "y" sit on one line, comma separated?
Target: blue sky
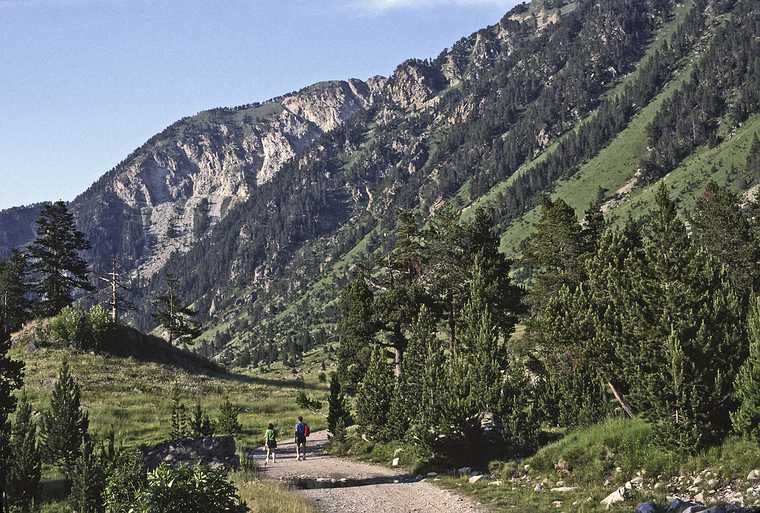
{"x": 84, "y": 82}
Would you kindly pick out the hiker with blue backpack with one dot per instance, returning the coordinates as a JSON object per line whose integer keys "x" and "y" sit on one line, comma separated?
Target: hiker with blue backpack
{"x": 302, "y": 432}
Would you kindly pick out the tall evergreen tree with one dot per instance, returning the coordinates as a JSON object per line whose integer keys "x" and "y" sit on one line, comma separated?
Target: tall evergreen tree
{"x": 10, "y": 380}
{"x": 64, "y": 424}
{"x": 408, "y": 391}
{"x": 15, "y": 306}
{"x": 338, "y": 414}
{"x": 356, "y": 332}
{"x": 58, "y": 267}
{"x": 726, "y": 232}
{"x": 554, "y": 252}
{"x": 373, "y": 399}
{"x": 746, "y": 419}
{"x": 173, "y": 314}
{"x": 25, "y": 464}
{"x": 88, "y": 479}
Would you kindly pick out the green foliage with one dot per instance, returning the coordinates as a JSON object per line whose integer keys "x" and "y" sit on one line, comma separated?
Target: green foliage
{"x": 55, "y": 259}
{"x": 64, "y": 424}
{"x": 180, "y": 420}
{"x": 174, "y": 315}
{"x": 227, "y": 421}
{"x": 373, "y": 399}
{"x": 356, "y": 330}
{"x": 83, "y": 330}
{"x": 307, "y": 403}
{"x": 200, "y": 423}
{"x": 15, "y": 308}
{"x": 187, "y": 490}
{"x": 10, "y": 370}
{"x": 88, "y": 479}
{"x": 339, "y": 414}
{"x": 127, "y": 477}
{"x": 23, "y": 478}
{"x": 746, "y": 419}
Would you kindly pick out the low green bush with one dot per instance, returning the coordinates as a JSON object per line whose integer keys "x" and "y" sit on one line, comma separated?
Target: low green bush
{"x": 79, "y": 328}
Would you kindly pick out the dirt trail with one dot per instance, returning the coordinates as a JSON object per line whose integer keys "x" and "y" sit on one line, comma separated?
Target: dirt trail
{"x": 344, "y": 486}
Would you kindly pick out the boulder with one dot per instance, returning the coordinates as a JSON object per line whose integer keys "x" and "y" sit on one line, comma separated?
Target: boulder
{"x": 646, "y": 507}
{"x": 754, "y": 475}
{"x": 216, "y": 452}
{"x": 474, "y": 479}
{"x": 395, "y": 462}
{"x": 619, "y": 495}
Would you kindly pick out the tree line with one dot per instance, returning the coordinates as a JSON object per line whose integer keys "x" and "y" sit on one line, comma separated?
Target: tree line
{"x": 655, "y": 318}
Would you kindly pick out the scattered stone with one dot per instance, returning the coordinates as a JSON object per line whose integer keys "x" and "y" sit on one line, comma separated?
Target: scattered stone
{"x": 557, "y": 504}
{"x": 562, "y": 466}
{"x": 619, "y": 495}
{"x": 432, "y": 474}
{"x": 475, "y": 479}
{"x": 700, "y": 497}
{"x": 538, "y": 488}
{"x": 564, "y": 489}
{"x": 395, "y": 462}
{"x": 754, "y": 475}
{"x": 495, "y": 483}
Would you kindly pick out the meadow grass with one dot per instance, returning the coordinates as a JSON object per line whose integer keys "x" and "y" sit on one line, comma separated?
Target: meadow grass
{"x": 134, "y": 399}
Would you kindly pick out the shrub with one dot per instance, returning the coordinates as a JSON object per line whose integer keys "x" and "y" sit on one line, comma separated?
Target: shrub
{"x": 88, "y": 480}
{"x": 227, "y": 421}
{"x": 188, "y": 490}
{"x": 200, "y": 423}
{"x": 81, "y": 329}
{"x": 126, "y": 479}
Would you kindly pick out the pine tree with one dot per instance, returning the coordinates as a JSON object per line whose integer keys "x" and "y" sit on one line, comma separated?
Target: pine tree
{"x": 64, "y": 424}
{"x": 170, "y": 312}
{"x": 680, "y": 315}
{"x": 746, "y": 420}
{"x": 373, "y": 399}
{"x": 180, "y": 422}
{"x": 56, "y": 260}
{"x": 200, "y": 423}
{"x": 10, "y": 380}
{"x": 338, "y": 415}
{"x": 25, "y": 464}
{"x": 356, "y": 330}
{"x": 15, "y": 307}
{"x": 88, "y": 479}
{"x": 726, "y": 232}
{"x": 227, "y": 422}
{"x": 408, "y": 391}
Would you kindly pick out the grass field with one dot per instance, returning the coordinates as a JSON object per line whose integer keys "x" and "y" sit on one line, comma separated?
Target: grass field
{"x": 133, "y": 397}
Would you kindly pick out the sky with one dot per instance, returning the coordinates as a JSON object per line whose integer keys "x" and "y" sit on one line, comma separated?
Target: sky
{"x": 85, "y": 82}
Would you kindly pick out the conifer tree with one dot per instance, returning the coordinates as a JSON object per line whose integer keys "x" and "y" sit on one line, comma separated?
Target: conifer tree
{"x": 726, "y": 232}
{"x": 746, "y": 419}
{"x": 88, "y": 479}
{"x": 200, "y": 423}
{"x": 64, "y": 425}
{"x": 15, "y": 306}
{"x": 373, "y": 399}
{"x": 356, "y": 331}
{"x": 25, "y": 464}
{"x": 180, "y": 421}
{"x": 555, "y": 252}
{"x": 408, "y": 390}
{"x": 10, "y": 380}
{"x": 56, "y": 260}
{"x": 338, "y": 414}
{"x": 170, "y": 312}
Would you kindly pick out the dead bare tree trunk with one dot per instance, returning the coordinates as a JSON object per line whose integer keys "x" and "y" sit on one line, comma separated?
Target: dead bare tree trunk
{"x": 619, "y": 398}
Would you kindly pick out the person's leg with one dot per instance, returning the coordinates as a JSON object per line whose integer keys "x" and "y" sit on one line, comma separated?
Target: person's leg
{"x": 298, "y": 450}
{"x": 303, "y": 449}
{"x": 266, "y": 460}
{"x": 274, "y": 455}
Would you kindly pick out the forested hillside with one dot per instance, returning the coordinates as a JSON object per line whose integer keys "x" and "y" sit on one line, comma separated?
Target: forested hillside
{"x": 258, "y": 216}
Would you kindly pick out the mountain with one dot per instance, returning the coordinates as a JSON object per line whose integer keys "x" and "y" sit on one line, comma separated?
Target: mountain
{"x": 263, "y": 210}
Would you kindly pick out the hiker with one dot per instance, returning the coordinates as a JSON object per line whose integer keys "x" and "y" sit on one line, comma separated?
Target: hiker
{"x": 302, "y": 431}
{"x": 270, "y": 442}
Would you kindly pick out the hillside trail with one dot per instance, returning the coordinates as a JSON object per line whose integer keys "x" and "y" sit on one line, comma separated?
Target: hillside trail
{"x": 338, "y": 485}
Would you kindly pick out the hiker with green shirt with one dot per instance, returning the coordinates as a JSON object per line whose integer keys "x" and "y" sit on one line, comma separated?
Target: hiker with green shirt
{"x": 270, "y": 442}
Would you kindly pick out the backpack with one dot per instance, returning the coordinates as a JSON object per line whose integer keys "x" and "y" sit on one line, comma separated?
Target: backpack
{"x": 306, "y": 430}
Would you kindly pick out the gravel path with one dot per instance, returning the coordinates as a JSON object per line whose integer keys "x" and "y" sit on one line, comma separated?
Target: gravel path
{"x": 345, "y": 486}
